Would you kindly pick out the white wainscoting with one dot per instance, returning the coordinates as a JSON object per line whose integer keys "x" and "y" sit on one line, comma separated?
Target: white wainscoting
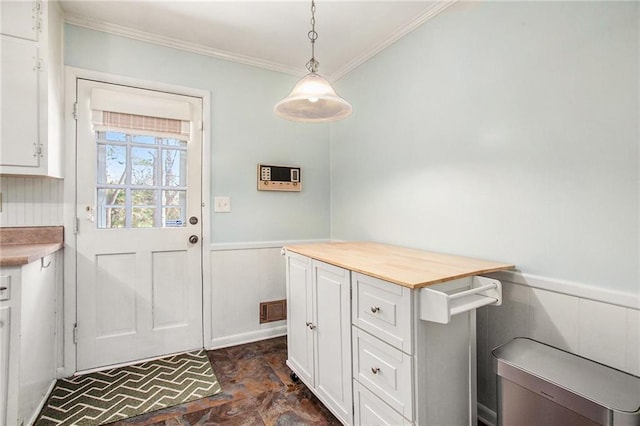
{"x": 31, "y": 201}
{"x": 242, "y": 276}
{"x": 591, "y": 322}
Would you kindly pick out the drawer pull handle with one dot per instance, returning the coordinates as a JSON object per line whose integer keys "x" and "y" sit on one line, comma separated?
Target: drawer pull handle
{"x": 375, "y": 370}
{"x": 311, "y": 326}
{"x": 375, "y": 309}
{"x": 3, "y": 288}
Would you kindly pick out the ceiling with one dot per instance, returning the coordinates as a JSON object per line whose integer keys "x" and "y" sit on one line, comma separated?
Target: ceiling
{"x": 268, "y": 34}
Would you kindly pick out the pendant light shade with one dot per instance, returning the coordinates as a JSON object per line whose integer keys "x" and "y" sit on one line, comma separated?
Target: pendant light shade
{"x": 313, "y": 100}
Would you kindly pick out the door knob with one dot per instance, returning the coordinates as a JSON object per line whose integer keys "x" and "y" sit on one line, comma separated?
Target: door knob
{"x": 193, "y": 239}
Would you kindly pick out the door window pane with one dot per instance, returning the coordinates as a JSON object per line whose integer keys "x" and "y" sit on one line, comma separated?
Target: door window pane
{"x": 143, "y": 166}
{"x": 174, "y": 163}
{"x": 112, "y": 197}
{"x": 143, "y": 197}
{"x": 143, "y": 217}
{"x": 114, "y": 136}
{"x": 111, "y": 217}
{"x": 144, "y": 139}
{"x": 174, "y": 142}
{"x": 174, "y": 203}
{"x": 173, "y": 217}
{"x": 174, "y": 198}
{"x": 112, "y": 164}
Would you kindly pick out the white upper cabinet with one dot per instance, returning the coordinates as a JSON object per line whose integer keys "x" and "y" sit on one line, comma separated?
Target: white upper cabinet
{"x": 31, "y": 107}
{"x": 20, "y": 100}
{"x": 21, "y": 19}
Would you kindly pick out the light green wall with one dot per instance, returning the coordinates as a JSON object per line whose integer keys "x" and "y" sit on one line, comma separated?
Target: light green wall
{"x": 500, "y": 130}
{"x": 244, "y": 132}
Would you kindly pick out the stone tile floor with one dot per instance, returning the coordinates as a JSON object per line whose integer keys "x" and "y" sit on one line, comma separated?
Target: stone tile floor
{"x": 256, "y": 390}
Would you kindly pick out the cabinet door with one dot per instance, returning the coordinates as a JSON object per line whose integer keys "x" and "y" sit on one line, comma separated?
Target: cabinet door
{"x": 19, "y": 103}
{"x": 333, "y": 338}
{"x": 299, "y": 334}
{"x": 21, "y": 19}
{"x": 37, "y": 335}
{"x": 5, "y": 321}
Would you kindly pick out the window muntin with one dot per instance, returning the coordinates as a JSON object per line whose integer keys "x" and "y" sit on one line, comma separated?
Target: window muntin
{"x": 141, "y": 180}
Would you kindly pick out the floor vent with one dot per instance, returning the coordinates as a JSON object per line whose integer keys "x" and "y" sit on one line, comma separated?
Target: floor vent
{"x": 273, "y": 311}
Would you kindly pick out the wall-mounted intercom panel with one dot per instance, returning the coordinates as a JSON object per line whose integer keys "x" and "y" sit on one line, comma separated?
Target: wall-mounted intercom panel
{"x": 279, "y": 178}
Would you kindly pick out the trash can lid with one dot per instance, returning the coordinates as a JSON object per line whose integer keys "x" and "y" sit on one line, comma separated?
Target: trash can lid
{"x": 606, "y": 386}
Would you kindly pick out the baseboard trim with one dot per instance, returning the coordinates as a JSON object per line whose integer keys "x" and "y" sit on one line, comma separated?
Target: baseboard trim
{"x": 34, "y": 415}
{"x": 486, "y": 415}
{"x": 252, "y": 336}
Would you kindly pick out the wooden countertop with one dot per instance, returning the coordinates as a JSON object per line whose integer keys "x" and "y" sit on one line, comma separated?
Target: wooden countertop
{"x": 403, "y": 266}
{"x": 21, "y": 254}
{"x": 22, "y": 245}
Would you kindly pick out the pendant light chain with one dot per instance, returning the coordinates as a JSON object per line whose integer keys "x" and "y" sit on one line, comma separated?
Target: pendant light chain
{"x": 312, "y": 65}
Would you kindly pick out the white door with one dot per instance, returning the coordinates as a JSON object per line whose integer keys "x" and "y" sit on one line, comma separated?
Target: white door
{"x": 139, "y": 259}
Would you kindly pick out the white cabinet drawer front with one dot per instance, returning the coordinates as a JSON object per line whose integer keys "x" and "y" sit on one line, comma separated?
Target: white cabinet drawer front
{"x": 384, "y": 370}
{"x": 371, "y": 410}
{"x": 384, "y": 310}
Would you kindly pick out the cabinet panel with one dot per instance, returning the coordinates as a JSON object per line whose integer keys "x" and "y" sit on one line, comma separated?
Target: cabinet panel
{"x": 333, "y": 338}
{"x": 5, "y": 321}
{"x": 299, "y": 313}
{"x": 10, "y": 345}
{"x": 19, "y": 104}
{"x": 20, "y": 19}
{"x": 384, "y": 310}
{"x": 37, "y": 335}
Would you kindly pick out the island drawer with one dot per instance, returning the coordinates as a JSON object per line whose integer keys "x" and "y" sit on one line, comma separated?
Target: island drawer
{"x": 383, "y": 309}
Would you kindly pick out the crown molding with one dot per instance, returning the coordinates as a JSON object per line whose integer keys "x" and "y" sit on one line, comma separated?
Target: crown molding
{"x": 432, "y": 12}
{"x": 148, "y": 37}
{"x": 135, "y": 34}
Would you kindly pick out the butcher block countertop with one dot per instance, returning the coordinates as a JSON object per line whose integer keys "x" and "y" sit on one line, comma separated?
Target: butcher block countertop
{"x": 403, "y": 266}
{"x": 19, "y": 246}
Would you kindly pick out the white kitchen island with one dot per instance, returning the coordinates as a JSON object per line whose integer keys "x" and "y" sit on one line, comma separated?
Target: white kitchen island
{"x": 384, "y": 334}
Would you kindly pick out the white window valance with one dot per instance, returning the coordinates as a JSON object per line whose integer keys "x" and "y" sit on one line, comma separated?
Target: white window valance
{"x": 127, "y": 112}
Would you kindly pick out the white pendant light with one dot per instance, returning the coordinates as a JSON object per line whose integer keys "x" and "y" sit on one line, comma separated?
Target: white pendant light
{"x": 313, "y": 100}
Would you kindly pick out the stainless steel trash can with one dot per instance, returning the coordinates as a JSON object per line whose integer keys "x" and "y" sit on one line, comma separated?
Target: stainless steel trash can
{"x": 542, "y": 385}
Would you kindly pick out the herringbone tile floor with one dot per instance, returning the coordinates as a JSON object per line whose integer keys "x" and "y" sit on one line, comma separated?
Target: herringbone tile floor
{"x": 256, "y": 390}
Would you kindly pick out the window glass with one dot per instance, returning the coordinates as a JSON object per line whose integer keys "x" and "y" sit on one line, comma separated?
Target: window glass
{"x": 174, "y": 163}
{"x": 112, "y": 164}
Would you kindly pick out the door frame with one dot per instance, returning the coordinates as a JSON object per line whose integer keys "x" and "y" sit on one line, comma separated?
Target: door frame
{"x": 72, "y": 74}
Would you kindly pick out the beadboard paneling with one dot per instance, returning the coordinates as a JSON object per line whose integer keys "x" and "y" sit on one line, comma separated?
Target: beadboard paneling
{"x": 31, "y": 201}
{"x": 240, "y": 280}
{"x": 601, "y": 331}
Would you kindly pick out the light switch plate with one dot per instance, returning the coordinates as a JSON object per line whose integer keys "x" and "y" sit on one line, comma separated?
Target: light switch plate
{"x": 221, "y": 204}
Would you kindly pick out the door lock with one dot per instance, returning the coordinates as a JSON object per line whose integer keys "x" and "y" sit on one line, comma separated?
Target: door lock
{"x": 193, "y": 239}
{"x": 193, "y": 220}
